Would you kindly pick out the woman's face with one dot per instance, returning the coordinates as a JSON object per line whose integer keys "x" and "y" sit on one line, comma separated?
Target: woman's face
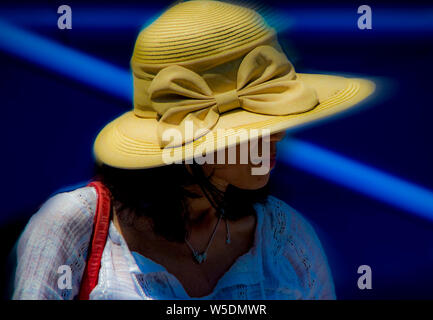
{"x": 250, "y": 175}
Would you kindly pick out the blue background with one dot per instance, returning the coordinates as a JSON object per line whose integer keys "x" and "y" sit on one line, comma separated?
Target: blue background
{"x": 49, "y": 122}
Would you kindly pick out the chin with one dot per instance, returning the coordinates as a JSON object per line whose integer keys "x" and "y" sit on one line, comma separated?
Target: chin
{"x": 256, "y": 182}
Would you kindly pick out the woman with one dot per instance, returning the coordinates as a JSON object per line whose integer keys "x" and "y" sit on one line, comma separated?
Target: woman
{"x": 190, "y": 217}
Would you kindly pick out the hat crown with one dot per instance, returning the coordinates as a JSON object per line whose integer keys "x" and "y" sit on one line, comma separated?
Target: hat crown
{"x": 199, "y": 29}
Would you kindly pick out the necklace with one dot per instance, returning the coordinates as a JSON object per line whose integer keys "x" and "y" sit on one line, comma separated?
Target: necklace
{"x": 201, "y": 257}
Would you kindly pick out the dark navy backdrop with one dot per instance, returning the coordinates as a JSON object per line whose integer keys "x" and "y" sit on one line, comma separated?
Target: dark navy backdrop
{"x": 49, "y": 123}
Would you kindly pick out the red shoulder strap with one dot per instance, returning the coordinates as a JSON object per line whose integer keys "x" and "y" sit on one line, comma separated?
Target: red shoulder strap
{"x": 98, "y": 240}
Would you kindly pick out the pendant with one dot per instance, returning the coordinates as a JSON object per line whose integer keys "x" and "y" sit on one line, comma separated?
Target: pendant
{"x": 200, "y": 257}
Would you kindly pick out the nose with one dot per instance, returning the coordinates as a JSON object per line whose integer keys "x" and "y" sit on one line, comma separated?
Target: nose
{"x": 278, "y": 136}
{"x": 274, "y": 138}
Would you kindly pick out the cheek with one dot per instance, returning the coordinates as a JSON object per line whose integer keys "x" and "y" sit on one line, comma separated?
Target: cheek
{"x": 239, "y": 174}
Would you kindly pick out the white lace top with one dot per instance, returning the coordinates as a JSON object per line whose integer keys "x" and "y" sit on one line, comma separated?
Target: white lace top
{"x": 286, "y": 261}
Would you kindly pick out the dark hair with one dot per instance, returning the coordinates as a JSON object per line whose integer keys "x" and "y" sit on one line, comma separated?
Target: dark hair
{"x": 160, "y": 193}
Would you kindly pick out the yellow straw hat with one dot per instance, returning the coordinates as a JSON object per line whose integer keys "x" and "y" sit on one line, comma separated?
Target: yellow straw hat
{"x": 210, "y": 70}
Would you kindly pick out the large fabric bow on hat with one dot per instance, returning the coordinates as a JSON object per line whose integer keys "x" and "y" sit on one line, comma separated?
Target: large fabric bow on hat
{"x": 266, "y": 84}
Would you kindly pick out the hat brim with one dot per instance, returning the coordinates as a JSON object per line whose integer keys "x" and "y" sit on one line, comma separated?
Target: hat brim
{"x": 130, "y": 142}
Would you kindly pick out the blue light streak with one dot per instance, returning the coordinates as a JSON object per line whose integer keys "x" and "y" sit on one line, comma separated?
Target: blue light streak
{"x": 357, "y": 176}
{"x": 302, "y": 155}
{"x": 66, "y": 61}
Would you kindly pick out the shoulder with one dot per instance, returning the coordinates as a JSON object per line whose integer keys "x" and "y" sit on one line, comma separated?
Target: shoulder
{"x": 65, "y": 211}
{"x": 285, "y": 221}
{"x": 56, "y": 235}
{"x": 292, "y": 234}
{"x": 292, "y": 243}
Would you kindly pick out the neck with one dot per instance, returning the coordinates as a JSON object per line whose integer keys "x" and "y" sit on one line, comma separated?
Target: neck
{"x": 200, "y": 210}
